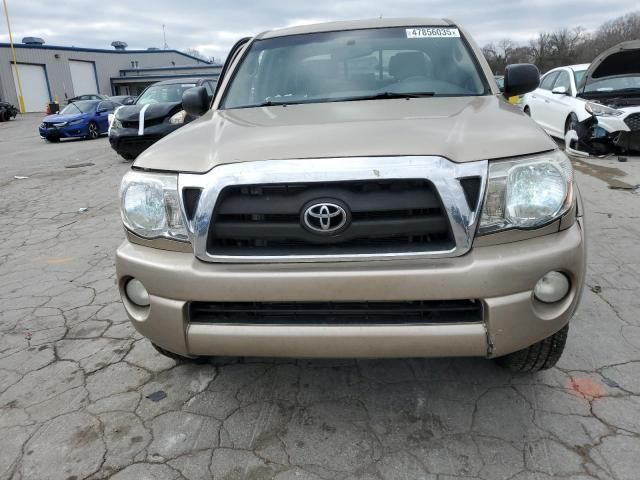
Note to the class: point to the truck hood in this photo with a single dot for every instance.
(131, 113)
(620, 60)
(461, 129)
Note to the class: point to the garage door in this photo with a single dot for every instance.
(34, 86)
(83, 75)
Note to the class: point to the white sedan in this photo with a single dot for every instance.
(594, 107)
(554, 104)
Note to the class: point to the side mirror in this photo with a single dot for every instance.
(195, 101)
(560, 91)
(520, 78)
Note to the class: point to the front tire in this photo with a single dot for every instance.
(539, 356)
(570, 124)
(93, 131)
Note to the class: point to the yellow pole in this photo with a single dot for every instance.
(15, 61)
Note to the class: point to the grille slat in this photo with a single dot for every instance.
(336, 313)
(386, 217)
(148, 122)
(244, 202)
(361, 229)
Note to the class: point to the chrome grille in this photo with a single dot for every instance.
(385, 217)
(439, 216)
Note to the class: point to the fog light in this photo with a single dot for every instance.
(137, 293)
(552, 287)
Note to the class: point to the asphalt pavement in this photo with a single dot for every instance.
(83, 396)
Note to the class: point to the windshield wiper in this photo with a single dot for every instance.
(374, 96)
(383, 95)
(271, 103)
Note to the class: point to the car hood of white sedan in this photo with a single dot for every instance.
(619, 61)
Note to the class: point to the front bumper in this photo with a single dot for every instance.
(127, 141)
(70, 131)
(600, 135)
(501, 276)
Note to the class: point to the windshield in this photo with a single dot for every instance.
(164, 93)
(79, 107)
(611, 84)
(357, 64)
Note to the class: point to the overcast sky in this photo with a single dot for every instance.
(213, 26)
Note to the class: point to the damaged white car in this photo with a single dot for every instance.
(594, 108)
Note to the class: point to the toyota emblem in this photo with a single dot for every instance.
(325, 217)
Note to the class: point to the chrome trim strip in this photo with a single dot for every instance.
(441, 172)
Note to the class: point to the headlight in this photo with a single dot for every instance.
(178, 118)
(527, 192)
(150, 205)
(76, 122)
(600, 110)
(115, 123)
(61, 124)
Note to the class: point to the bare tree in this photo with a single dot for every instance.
(563, 46)
(503, 53)
(565, 43)
(541, 51)
(618, 30)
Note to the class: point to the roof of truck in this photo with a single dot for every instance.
(358, 25)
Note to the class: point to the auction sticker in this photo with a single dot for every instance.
(432, 32)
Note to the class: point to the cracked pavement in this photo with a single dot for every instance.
(83, 396)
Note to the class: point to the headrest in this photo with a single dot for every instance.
(408, 64)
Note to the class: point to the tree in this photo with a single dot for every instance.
(618, 30)
(563, 46)
(503, 53)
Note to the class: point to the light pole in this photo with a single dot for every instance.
(15, 61)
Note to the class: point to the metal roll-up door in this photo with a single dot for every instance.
(35, 88)
(83, 76)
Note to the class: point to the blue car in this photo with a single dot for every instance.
(86, 119)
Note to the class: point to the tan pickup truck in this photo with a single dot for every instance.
(355, 189)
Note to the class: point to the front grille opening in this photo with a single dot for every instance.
(148, 122)
(390, 216)
(633, 121)
(190, 198)
(419, 312)
(471, 187)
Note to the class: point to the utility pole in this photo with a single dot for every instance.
(15, 61)
(164, 36)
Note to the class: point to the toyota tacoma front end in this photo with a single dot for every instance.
(356, 189)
